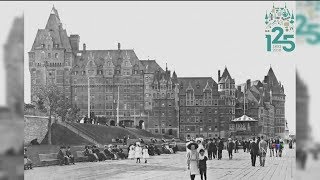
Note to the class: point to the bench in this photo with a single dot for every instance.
(48, 159)
(81, 157)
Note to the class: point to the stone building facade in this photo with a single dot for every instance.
(139, 93)
(116, 77)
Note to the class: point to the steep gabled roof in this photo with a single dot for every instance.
(151, 66)
(53, 31)
(100, 56)
(198, 84)
(225, 76)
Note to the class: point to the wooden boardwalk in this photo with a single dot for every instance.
(173, 166)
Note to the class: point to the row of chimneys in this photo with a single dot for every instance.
(75, 39)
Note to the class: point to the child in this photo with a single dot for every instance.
(131, 152)
(203, 164)
(138, 152)
(145, 153)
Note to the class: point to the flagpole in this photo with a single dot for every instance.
(118, 106)
(88, 97)
(244, 101)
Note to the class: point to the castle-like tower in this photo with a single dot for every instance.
(51, 56)
(278, 99)
(226, 88)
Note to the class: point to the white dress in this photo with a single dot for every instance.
(145, 154)
(193, 158)
(131, 152)
(138, 152)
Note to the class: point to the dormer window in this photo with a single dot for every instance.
(56, 45)
(56, 55)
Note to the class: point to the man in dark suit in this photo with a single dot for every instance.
(220, 148)
(254, 149)
(210, 149)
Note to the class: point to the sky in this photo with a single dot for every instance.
(195, 39)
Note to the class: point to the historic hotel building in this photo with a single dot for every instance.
(145, 94)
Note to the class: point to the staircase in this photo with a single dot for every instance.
(81, 132)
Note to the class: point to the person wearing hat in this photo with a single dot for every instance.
(138, 152)
(193, 159)
(131, 153)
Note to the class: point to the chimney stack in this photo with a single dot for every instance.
(84, 47)
(239, 88)
(248, 84)
(219, 76)
(119, 46)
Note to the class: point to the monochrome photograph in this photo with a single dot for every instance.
(158, 90)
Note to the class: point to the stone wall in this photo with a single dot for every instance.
(35, 127)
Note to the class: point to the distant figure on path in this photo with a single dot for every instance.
(220, 148)
(230, 147)
(263, 148)
(138, 152)
(254, 148)
(145, 153)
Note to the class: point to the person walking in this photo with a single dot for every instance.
(271, 147)
(254, 151)
(277, 146)
(230, 147)
(244, 145)
(210, 149)
(145, 153)
(215, 149)
(138, 152)
(248, 145)
(220, 148)
(203, 165)
(193, 160)
(236, 150)
(263, 147)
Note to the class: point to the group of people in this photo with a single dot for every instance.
(109, 152)
(65, 156)
(196, 159)
(137, 152)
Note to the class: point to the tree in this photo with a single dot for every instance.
(48, 98)
(73, 114)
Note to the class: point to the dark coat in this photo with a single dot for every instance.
(230, 146)
(220, 145)
(254, 148)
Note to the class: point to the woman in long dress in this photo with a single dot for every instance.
(138, 152)
(145, 153)
(131, 152)
(193, 160)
